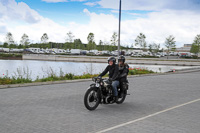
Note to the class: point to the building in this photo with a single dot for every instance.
(185, 48)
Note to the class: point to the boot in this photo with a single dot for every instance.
(115, 99)
(120, 94)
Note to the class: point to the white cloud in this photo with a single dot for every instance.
(55, 32)
(10, 10)
(184, 25)
(90, 4)
(19, 18)
(115, 11)
(79, 0)
(54, 1)
(157, 26)
(155, 5)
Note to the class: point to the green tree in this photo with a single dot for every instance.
(101, 45)
(170, 43)
(195, 46)
(114, 39)
(44, 38)
(157, 47)
(12, 46)
(24, 40)
(20, 46)
(140, 40)
(78, 44)
(9, 38)
(91, 43)
(154, 48)
(194, 49)
(70, 37)
(5, 45)
(150, 47)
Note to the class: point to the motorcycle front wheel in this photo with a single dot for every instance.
(91, 99)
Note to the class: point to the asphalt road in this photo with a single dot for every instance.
(157, 104)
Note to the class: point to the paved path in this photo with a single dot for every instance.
(157, 104)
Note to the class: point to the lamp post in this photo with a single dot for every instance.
(119, 27)
(198, 52)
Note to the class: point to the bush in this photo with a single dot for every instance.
(19, 79)
(10, 55)
(13, 80)
(69, 76)
(148, 56)
(134, 71)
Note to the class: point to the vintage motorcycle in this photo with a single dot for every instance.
(100, 92)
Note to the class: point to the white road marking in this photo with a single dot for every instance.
(143, 118)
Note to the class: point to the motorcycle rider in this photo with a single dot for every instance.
(113, 70)
(123, 71)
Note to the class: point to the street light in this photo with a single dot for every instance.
(198, 52)
(119, 27)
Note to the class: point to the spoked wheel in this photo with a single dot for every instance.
(122, 98)
(91, 99)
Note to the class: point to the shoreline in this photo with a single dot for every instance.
(100, 59)
(10, 58)
(89, 79)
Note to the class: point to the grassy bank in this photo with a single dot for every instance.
(21, 79)
(8, 56)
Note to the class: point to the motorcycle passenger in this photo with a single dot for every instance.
(113, 70)
(123, 71)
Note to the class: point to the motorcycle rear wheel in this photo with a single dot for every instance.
(91, 99)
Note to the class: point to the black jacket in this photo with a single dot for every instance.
(113, 72)
(123, 73)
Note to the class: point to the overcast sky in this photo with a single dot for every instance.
(157, 19)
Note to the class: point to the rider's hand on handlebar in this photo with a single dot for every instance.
(110, 80)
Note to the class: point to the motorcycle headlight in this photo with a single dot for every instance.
(97, 85)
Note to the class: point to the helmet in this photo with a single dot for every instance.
(112, 59)
(121, 58)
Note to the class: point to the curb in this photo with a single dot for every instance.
(42, 83)
(83, 80)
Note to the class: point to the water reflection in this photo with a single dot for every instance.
(41, 69)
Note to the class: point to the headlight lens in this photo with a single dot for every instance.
(97, 84)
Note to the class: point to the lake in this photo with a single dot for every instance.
(44, 68)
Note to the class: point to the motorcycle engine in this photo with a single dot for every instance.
(109, 99)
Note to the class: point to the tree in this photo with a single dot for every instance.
(194, 49)
(114, 39)
(5, 45)
(44, 38)
(78, 44)
(154, 48)
(150, 47)
(101, 45)
(195, 46)
(70, 37)
(140, 40)
(24, 40)
(9, 38)
(91, 43)
(170, 43)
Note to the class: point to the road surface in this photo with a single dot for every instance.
(157, 104)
